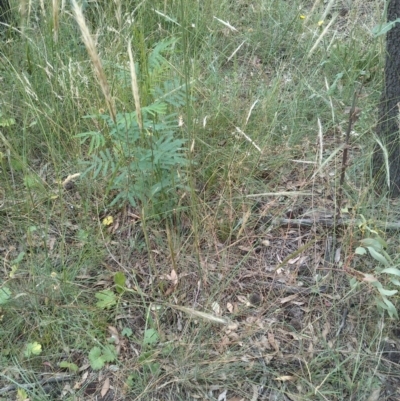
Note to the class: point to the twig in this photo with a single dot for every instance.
(53, 379)
(345, 153)
(332, 222)
(343, 322)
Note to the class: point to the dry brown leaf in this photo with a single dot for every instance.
(293, 261)
(243, 300)
(285, 378)
(114, 334)
(105, 387)
(229, 306)
(216, 308)
(326, 330)
(310, 350)
(375, 395)
(245, 218)
(51, 242)
(273, 342)
(173, 277)
(288, 299)
(69, 179)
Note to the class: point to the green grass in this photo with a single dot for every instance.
(262, 88)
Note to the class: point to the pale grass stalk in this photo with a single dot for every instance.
(56, 13)
(235, 51)
(323, 33)
(330, 99)
(327, 9)
(316, 3)
(118, 13)
(195, 313)
(248, 139)
(167, 18)
(321, 143)
(23, 10)
(227, 24)
(250, 111)
(282, 193)
(135, 88)
(327, 160)
(92, 51)
(42, 7)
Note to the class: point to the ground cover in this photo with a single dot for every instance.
(169, 203)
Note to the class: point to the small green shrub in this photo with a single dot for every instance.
(142, 163)
(383, 277)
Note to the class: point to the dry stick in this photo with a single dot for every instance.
(345, 154)
(54, 379)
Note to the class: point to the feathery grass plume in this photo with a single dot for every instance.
(118, 13)
(91, 49)
(23, 9)
(56, 13)
(135, 88)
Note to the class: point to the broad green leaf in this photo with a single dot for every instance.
(126, 332)
(106, 299)
(381, 29)
(377, 256)
(150, 337)
(395, 281)
(154, 367)
(32, 349)
(109, 354)
(392, 270)
(5, 295)
(360, 251)
(386, 292)
(390, 308)
(68, 365)
(380, 303)
(120, 280)
(95, 358)
(373, 243)
(18, 259)
(353, 283)
(21, 395)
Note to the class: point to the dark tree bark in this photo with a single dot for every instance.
(388, 128)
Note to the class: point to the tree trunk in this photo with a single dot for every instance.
(388, 128)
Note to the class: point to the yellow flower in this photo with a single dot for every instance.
(320, 22)
(302, 16)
